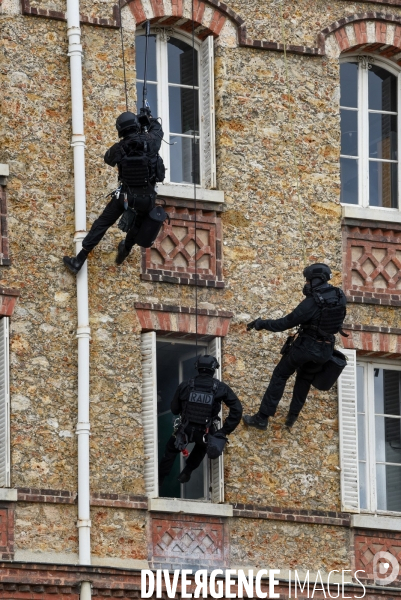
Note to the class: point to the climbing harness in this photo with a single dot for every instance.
(291, 120)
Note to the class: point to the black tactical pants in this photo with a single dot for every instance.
(194, 459)
(109, 216)
(307, 355)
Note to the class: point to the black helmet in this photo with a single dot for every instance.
(207, 362)
(127, 120)
(317, 271)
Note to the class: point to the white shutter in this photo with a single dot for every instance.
(208, 113)
(149, 412)
(4, 405)
(348, 429)
(216, 465)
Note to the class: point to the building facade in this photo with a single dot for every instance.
(286, 115)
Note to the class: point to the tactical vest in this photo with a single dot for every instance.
(137, 169)
(198, 409)
(332, 312)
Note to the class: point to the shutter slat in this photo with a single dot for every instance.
(149, 412)
(217, 465)
(208, 113)
(4, 405)
(348, 425)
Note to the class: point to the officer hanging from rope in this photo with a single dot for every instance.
(198, 402)
(310, 352)
(139, 169)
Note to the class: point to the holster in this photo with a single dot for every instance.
(127, 219)
(288, 343)
(181, 439)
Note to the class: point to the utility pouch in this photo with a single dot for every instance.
(181, 439)
(160, 169)
(216, 444)
(330, 372)
(151, 226)
(287, 346)
(127, 219)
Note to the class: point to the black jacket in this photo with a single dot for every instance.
(223, 394)
(132, 141)
(306, 313)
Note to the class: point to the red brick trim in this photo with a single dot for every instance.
(385, 42)
(46, 13)
(368, 340)
(252, 511)
(367, 542)
(6, 530)
(182, 319)
(47, 496)
(8, 300)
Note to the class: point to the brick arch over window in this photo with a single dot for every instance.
(209, 16)
(369, 32)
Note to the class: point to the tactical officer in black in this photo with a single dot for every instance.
(198, 402)
(139, 168)
(319, 316)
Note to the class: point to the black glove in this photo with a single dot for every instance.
(127, 219)
(256, 324)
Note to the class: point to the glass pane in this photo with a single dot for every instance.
(388, 487)
(382, 89)
(182, 63)
(363, 501)
(360, 388)
(183, 105)
(388, 440)
(383, 187)
(382, 136)
(349, 132)
(140, 41)
(181, 159)
(349, 180)
(361, 437)
(152, 97)
(387, 391)
(349, 84)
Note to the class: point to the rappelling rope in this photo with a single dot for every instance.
(194, 172)
(122, 49)
(291, 120)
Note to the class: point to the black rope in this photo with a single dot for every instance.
(122, 48)
(194, 173)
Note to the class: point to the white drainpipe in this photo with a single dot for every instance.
(83, 330)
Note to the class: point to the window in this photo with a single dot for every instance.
(4, 404)
(165, 363)
(371, 435)
(369, 105)
(181, 92)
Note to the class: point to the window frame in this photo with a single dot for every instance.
(205, 78)
(5, 465)
(370, 434)
(363, 128)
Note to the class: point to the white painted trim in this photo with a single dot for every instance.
(177, 190)
(388, 215)
(8, 495)
(4, 170)
(376, 522)
(71, 558)
(189, 507)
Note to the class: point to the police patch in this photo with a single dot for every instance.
(201, 397)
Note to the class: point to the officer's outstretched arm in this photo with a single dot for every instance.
(235, 411)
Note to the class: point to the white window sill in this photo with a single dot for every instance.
(176, 190)
(376, 522)
(372, 213)
(189, 507)
(4, 170)
(8, 495)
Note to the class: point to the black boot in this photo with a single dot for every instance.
(185, 475)
(122, 253)
(75, 263)
(291, 418)
(259, 421)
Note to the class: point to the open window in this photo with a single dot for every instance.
(370, 434)
(166, 362)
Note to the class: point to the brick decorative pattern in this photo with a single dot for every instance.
(378, 342)
(367, 543)
(251, 511)
(372, 262)
(369, 32)
(46, 13)
(96, 499)
(6, 531)
(176, 253)
(4, 250)
(182, 319)
(8, 300)
(188, 541)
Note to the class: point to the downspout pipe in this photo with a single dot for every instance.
(83, 330)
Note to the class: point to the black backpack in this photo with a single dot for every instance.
(333, 312)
